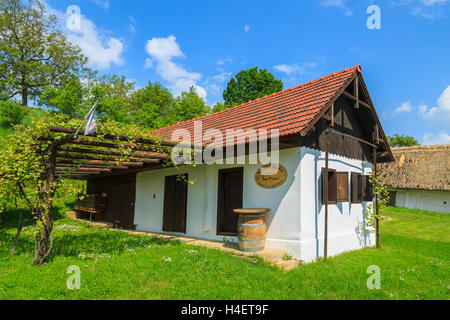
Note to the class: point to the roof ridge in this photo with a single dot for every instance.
(357, 67)
(411, 148)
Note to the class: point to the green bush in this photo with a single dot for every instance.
(11, 113)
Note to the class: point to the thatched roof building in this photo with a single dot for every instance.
(420, 168)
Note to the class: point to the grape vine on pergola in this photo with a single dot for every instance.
(84, 157)
(37, 158)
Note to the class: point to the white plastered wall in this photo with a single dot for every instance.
(438, 201)
(283, 221)
(344, 218)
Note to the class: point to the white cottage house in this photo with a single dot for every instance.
(419, 178)
(153, 199)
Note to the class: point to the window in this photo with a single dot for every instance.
(356, 185)
(361, 188)
(342, 186)
(332, 186)
(367, 188)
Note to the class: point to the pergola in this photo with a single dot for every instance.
(84, 157)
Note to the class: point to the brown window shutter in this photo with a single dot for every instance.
(332, 186)
(342, 189)
(356, 187)
(367, 189)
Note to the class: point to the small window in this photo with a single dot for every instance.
(356, 185)
(342, 186)
(367, 188)
(332, 186)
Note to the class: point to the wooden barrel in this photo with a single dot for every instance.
(252, 229)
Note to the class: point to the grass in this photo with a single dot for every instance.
(414, 264)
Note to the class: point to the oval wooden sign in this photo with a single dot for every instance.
(271, 176)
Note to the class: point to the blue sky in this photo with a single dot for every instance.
(406, 63)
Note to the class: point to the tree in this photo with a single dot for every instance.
(70, 99)
(77, 97)
(402, 141)
(219, 106)
(114, 93)
(34, 54)
(249, 85)
(189, 106)
(153, 106)
(11, 113)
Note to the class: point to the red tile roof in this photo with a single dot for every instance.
(290, 111)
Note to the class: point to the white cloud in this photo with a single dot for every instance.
(224, 61)
(405, 107)
(289, 69)
(441, 112)
(295, 68)
(246, 28)
(433, 2)
(224, 76)
(441, 138)
(132, 24)
(162, 51)
(338, 4)
(216, 90)
(357, 50)
(101, 50)
(429, 9)
(102, 3)
(333, 3)
(148, 63)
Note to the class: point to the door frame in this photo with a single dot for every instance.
(220, 199)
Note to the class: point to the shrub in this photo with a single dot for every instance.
(11, 113)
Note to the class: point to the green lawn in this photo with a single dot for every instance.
(414, 263)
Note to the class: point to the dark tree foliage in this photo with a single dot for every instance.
(402, 141)
(11, 113)
(249, 85)
(34, 53)
(152, 106)
(189, 106)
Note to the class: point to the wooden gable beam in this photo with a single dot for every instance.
(329, 115)
(376, 135)
(357, 101)
(326, 108)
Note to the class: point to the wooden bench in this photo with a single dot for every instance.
(91, 207)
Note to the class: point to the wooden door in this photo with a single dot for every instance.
(126, 192)
(175, 204)
(128, 195)
(230, 194)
